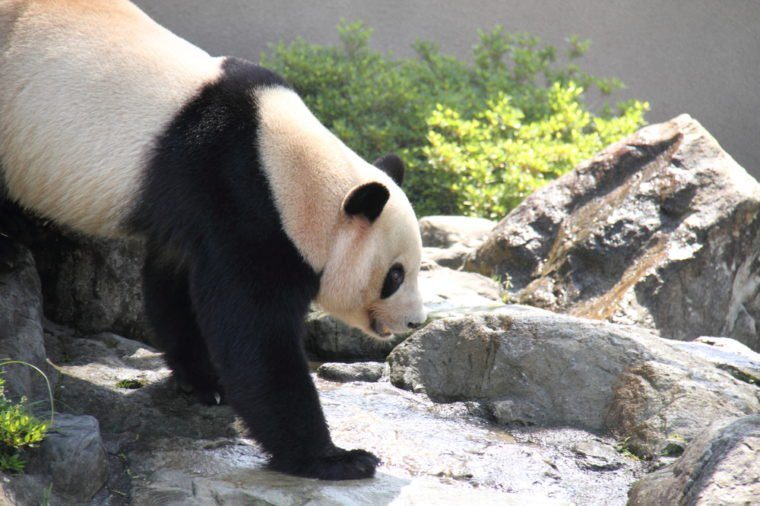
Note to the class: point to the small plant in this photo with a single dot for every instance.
(130, 384)
(623, 448)
(505, 285)
(675, 446)
(20, 429)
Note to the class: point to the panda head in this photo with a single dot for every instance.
(370, 278)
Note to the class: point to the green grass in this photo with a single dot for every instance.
(130, 384)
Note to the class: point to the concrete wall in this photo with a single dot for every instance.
(695, 56)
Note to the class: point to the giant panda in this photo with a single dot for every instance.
(250, 209)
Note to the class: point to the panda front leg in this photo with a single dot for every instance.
(169, 311)
(251, 315)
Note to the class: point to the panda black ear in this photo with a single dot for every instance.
(366, 200)
(393, 166)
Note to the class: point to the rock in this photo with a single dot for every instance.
(719, 467)
(444, 292)
(452, 257)
(448, 240)
(328, 338)
(727, 354)
(447, 292)
(92, 285)
(447, 231)
(76, 458)
(21, 334)
(70, 467)
(660, 230)
(358, 371)
(530, 366)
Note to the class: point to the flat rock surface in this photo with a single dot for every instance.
(660, 230)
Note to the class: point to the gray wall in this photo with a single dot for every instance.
(695, 56)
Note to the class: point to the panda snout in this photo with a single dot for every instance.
(414, 325)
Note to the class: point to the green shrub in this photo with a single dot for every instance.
(490, 163)
(477, 137)
(19, 427)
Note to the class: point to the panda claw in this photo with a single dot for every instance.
(217, 398)
(338, 464)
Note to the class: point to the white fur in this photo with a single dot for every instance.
(85, 87)
(311, 172)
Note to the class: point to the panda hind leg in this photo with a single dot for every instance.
(169, 311)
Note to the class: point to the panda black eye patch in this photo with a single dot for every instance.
(393, 280)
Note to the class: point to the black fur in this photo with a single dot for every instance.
(367, 200)
(392, 165)
(224, 281)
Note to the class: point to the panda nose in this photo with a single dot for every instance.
(414, 325)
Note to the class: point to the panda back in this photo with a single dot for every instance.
(85, 89)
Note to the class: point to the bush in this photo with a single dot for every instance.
(477, 137)
(20, 429)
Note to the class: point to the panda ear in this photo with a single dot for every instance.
(391, 165)
(367, 200)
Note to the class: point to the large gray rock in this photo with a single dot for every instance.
(75, 457)
(21, 334)
(92, 285)
(530, 366)
(661, 230)
(70, 468)
(719, 467)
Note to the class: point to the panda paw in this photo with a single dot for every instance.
(205, 396)
(338, 464)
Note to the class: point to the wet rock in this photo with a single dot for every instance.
(358, 371)
(447, 231)
(719, 467)
(530, 366)
(21, 335)
(660, 230)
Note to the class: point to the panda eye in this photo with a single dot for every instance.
(393, 280)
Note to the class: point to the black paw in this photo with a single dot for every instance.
(212, 396)
(339, 464)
